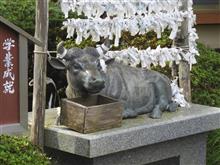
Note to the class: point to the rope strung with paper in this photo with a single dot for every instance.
(119, 8)
(111, 28)
(159, 56)
(137, 17)
(192, 52)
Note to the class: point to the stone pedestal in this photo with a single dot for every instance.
(184, 151)
(177, 139)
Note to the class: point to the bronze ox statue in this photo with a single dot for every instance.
(141, 91)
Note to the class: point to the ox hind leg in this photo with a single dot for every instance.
(163, 105)
(158, 109)
(163, 99)
(172, 107)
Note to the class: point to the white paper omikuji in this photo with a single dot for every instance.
(103, 65)
(119, 8)
(137, 17)
(133, 57)
(114, 27)
(177, 95)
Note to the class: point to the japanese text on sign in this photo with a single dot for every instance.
(8, 75)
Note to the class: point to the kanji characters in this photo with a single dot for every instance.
(8, 60)
(9, 87)
(8, 44)
(8, 75)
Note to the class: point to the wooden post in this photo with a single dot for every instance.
(184, 67)
(174, 70)
(185, 80)
(40, 62)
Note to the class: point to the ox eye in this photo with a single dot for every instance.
(77, 66)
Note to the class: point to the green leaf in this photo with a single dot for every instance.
(19, 151)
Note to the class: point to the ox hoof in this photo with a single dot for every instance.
(128, 113)
(156, 113)
(172, 107)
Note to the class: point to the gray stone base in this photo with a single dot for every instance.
(177, 139)
(183, 151)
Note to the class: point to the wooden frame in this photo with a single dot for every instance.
(20, 31)
(23, 37)
(21, 127)
(183, 70)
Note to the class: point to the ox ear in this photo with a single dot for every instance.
(57, 63)
(104, 48)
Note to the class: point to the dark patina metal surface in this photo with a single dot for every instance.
(141, 91)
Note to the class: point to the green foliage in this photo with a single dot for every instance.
(56, 18)
(205, 78)
(19, 151)
(20, 12)
(213, 148)
(85, 43)
(206, 90)
(139, 41)
(144, 41)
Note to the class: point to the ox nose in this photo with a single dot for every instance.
(97, 81)
(93, 79)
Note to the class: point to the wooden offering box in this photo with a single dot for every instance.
(91, 114)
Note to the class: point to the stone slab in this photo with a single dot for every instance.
(190, 150)
(134, 133)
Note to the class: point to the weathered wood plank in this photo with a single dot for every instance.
(40, 63)
(72, 115)
(103, 117)
(92, 114)
(9, 94)
(184, 67)
(23, 80)
(185, 80)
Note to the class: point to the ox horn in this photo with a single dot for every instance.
(104, 48)
(61, 50)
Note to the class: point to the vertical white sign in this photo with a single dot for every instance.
(8, 75)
